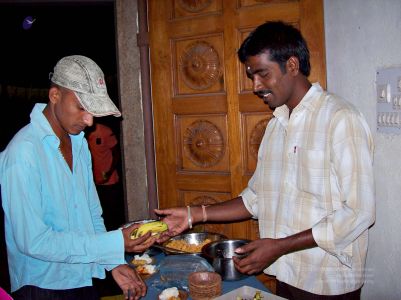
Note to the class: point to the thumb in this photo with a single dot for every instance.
(239, 250)
(243, 249)
(162, 212)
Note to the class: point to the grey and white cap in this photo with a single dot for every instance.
(85, 78)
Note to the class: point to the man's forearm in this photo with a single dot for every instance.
(297, 242)
(227, 211)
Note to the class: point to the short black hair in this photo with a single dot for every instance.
(281, 40)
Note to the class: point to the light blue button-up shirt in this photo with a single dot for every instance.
(55, 234)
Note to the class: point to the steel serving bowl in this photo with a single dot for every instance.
(220, 254)
(195, 238)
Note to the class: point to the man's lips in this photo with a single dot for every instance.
(264, 95)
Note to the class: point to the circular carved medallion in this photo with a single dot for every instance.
(256, 137)
(203, 143)
(200, 66)
(194, 5)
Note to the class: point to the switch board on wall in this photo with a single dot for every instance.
(388, 100)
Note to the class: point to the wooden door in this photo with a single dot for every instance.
(208, 124)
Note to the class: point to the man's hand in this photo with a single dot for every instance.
(176, 220)
(139, 244)
(129, 281)
(261, 254)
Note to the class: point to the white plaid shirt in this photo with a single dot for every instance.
(315, 171)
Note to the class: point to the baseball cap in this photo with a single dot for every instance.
(84, 77)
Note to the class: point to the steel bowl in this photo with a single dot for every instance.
(220, 255)
(195, 238)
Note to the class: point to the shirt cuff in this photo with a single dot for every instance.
(110, 248)
(324, 239)
(250, 203)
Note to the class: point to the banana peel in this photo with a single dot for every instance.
(156, 227)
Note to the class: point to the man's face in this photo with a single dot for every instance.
(269, 82)
(70, 114)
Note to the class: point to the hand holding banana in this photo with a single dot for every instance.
(139, 237)
(155, 227)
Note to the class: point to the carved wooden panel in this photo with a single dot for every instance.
(202, 143)
(254, 125)
(247, 3)
(245, 82)
(207, 198)
(192, 8)
(198, 65)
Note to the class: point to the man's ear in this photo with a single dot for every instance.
(292, 65)
(54, 94)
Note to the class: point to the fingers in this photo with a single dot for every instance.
(136, 292)
(134, 287)
(129, 229)
(164, 236)
(139, 244)
(245, 266)
(162, 212)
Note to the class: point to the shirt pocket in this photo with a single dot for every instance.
(311, 171)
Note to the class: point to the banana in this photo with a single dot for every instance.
(156, 227)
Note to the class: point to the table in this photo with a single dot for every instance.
(156, 285)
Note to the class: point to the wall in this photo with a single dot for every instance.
(363, 36)
(131, 107)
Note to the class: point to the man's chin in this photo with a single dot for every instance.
(74, 132)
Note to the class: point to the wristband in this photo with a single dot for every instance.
(204, 214)
(189, 217)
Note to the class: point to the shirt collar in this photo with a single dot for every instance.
(45, 131)
(308, 101)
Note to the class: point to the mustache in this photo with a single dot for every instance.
(262, 93)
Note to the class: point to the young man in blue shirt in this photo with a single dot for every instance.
(55, 234)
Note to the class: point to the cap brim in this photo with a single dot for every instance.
(98, 106)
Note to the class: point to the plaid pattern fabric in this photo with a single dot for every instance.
(315, 171)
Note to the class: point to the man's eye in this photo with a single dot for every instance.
(264, 74)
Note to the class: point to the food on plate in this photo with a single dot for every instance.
(258, 296)
(184, 246)
(140, 260)
(170, 294)
(146, 269)
(156, 227)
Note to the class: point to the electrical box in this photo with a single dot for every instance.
(388, 100)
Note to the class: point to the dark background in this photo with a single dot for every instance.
(28, 56)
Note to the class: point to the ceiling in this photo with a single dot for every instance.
(57, 29)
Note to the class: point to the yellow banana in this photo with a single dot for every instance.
(156, 227)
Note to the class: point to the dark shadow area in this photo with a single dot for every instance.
(35, 35)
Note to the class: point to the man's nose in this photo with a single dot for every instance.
(88, 119)
(256, 84)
